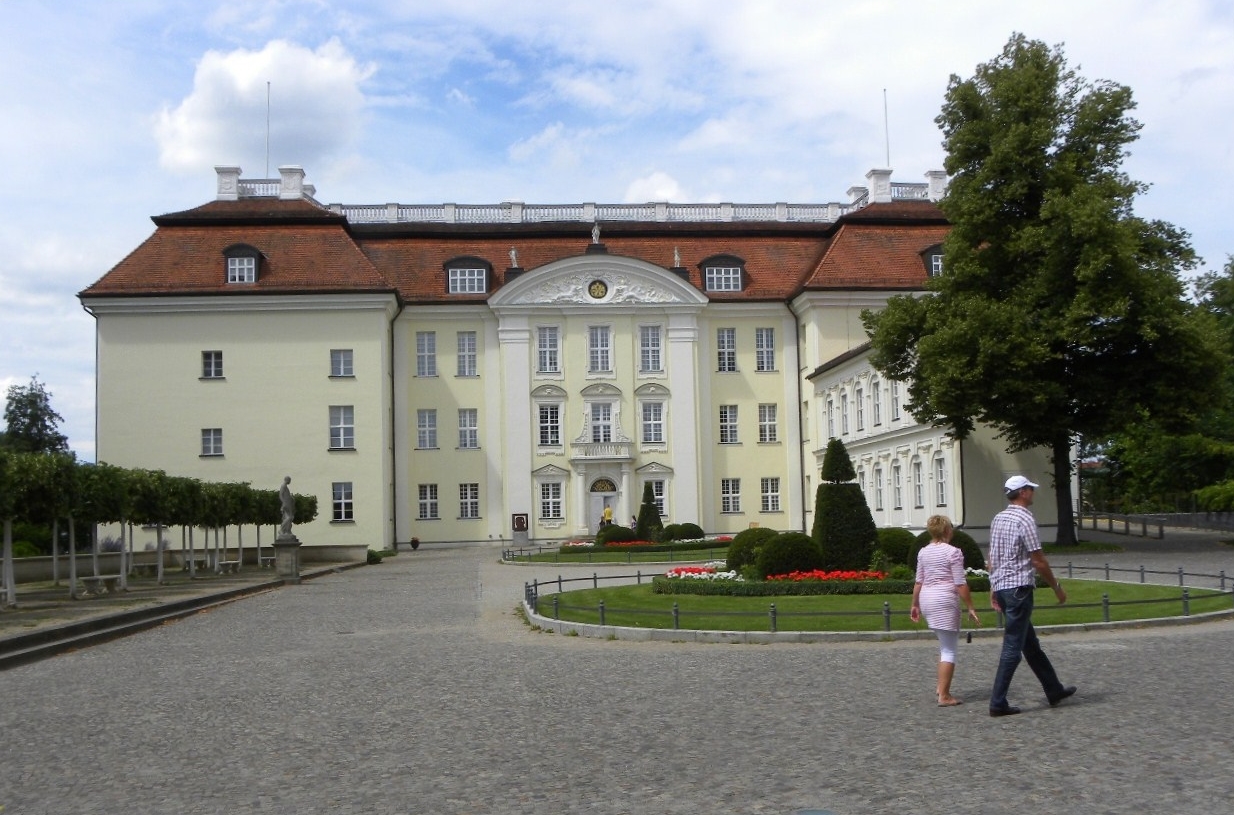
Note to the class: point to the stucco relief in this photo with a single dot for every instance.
(572, 289)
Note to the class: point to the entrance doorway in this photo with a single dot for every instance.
(603, 494)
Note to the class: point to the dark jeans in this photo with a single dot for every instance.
(1019, 638)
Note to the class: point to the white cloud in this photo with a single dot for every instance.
(315, 110)
(657, 186)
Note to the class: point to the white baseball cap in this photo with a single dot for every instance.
(1017, 482)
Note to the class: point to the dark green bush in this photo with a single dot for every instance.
(648, 525)
(973, 559)
(844, 530)
(788, 552)
(690, 531)
(616, 532)
(896, 542)
(743, 550)
(672, 532)
(373, 557)
(25, 549)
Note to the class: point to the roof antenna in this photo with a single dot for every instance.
(268, 128)
(886, 130)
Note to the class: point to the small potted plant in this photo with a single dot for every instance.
(415, 543)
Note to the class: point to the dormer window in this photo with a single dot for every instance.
(933, 261)
(723, 273)
(242, 263)
(468, 275)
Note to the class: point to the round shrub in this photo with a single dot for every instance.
(789, 552)
(743, 551)
(614, 533)
(896, 543)
(973, 559)
(690, 531)
(672, 532)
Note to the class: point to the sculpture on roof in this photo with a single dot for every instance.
(513, 258)
(595, 232)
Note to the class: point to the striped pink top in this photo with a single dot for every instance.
(940, 568)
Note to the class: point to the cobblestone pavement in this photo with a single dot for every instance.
(414, 687)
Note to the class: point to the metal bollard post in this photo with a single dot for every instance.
(595, 580)
(1141, 572)
(1223, 579)
(559, 582)
(1107, 571)
(601, 612)
(676, 616)
(887, 616)
(1105, 608)
(773, 618)
(1069, 574)
(556, 610)
(1180, 576)
(638, 577)
(1186, 603)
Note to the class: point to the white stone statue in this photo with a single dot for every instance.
(595, 232)
(288, 504)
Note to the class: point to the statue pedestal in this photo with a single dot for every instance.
(287, 558)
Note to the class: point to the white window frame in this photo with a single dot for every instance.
(548, 349)
(342, 427)
(468, 429)
(211, 442)
(895, 400)
(650, 349)
(241, 269)
(657, 495)
(768, 423)
(726, 350)
(652, 422)
(469, 501)
(467, 354)
(918, 484)
(549, 425)
(878, 488)
(426, 429)
(342, 363)
(897, 486)
(859, 399)
(844, 413)
(722, 278)
(730, 495)
(729, 429)
(599, 349)
(831, 418)
(212, 365)
(427, 495)
(769, 488)
(342, 502)
(551, 503)
(600, 418)
(876, 401)
(940, 480)
(465, 280)
(764, 349)
(426, 353)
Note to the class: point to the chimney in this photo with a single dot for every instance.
(291, 187)
(229, 183)
(880, 186)
(937, 182)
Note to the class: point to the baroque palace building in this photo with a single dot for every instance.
(505, 372)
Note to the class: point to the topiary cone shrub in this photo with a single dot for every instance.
(844, 529)
(788, 552)
(649, 526)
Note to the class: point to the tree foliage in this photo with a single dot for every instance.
(31, 424)
(844, 529)
(1060, 313)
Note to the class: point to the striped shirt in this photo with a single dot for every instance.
(1013, 535)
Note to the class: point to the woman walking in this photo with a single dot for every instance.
(938, 591)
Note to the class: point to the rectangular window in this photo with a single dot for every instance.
(940, 481)
(726, 350)
(242, 270)
(467, 281)
(657, 496)
(599, 358)
(211, 364)
(341, 362)
(212, 441)
(342, 508)
(895, 400)
(653, 423)
(878, 488)
(770, 494)
(550, 425)
(467, 353)
(548, 359)
(723, 278)
(768, 424)
(426, 429)
(876, 401)
(764, 349)
(918, 486)
(860, 398)
(936, 265)
(469, 500)
(831, 418)
(550, 501)
(897, 488)
(730, 495)
(468, 428)
(844, 414)
(650, 344)
(342, 427)
(728, 424)
(601, 422)
(428, 502)
(426, 353)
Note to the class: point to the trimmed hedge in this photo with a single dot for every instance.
(788, 552)
(743, 551)
(896, 543)
(973, 559)
(615, 532)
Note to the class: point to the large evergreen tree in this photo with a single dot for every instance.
(32, 425)
(843, 527)
(1059, 314)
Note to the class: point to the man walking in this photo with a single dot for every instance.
(1015, 553)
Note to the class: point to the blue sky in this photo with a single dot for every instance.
(114, 112)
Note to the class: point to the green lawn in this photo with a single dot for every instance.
(638, 607)
(629, 555)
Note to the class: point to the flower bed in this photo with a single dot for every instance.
(819, 574)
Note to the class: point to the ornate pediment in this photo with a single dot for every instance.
(597, 281)
(654, 468)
